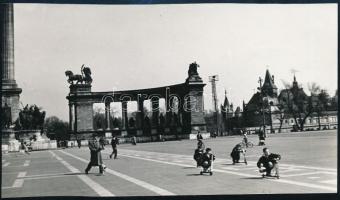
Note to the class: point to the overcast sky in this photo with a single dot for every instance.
(141, 46)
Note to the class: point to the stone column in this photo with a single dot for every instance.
(168, 114)
(107, 115)
(7, 42)
(70, 115)
(155, 112)
(9, 90)
(140, 116)
(125, 119)
(75, 128)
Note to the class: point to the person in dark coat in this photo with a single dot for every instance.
(261, 138)
(199, 152)
(102, 142)
(200, 145)
(96, 156)
(114, 143)
(199, 136)
(236, 153)
(207, 158)
(269, 161)
(134, 140)
(79, 143)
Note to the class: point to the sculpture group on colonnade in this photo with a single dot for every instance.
(84, 77)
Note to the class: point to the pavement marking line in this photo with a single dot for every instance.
(18, 183)
(27, 163)
(6, 164)
(47, 177)
(302, 174)
(244, 175)
(8, 173)
(138, 182)
(302, 166)
(289, 170)
(281, 164)
(100, 190)
(332, 173)
(313, 177)
(21, 174)
(43, 175)
(333, 181)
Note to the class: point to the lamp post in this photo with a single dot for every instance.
(262, 107)
(213, 80)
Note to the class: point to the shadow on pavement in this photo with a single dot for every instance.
(194, 174)
(254, 178)
(189, 167)
(72, 174)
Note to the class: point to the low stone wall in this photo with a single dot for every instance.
(144, 139)
(194, 136)
(4, 148)
(44, 145)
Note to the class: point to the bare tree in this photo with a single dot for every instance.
(296, 103)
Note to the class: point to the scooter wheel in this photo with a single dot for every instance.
(211, 173)
(201, 173)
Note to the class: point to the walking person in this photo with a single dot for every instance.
(262, 138)
(25, 148)
(199, 136)
(96, 156)
(79, 143)
(134, 140)
(114, 143)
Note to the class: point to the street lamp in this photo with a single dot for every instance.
(262, 106)
(213, 80)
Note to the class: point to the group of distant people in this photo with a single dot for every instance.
(266, 163)
(202, 155)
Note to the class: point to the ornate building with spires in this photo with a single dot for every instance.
(327, 119)
(227, 112)
(232, 120)
(264, 109)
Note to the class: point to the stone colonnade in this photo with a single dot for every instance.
(186, 118)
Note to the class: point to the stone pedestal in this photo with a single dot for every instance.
(193, 105)
(81, 112)
(9, 143)
(43, 143)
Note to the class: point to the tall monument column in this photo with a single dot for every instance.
(9, 89)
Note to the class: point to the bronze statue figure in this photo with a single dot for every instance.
(85, 76)
(86, 71)
(73, 77)
(193, 69)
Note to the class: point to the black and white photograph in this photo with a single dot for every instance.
(148, 100)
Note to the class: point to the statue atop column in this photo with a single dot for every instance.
(193, 74)
(83, 78)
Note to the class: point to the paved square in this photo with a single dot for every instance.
(308, 165)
